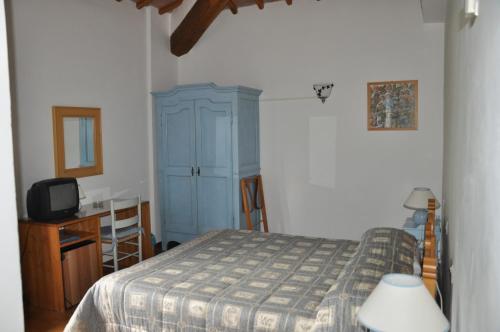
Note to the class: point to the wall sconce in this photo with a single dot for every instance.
(323, 90)
(472, 8)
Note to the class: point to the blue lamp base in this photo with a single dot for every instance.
(420, 217)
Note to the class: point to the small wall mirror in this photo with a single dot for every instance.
(77, 141)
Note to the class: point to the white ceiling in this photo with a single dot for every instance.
(433, 11)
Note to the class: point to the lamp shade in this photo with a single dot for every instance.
(323, 90)
(400, 302)
(418, 199)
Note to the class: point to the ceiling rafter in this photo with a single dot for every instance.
(142, 3)
(198, 19)
(163, 6)
(196, 22)
(168, 8)
(233, 7)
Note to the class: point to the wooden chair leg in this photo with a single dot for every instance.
(262, 203)
(139, 245)
(115, 256)
(246, 208)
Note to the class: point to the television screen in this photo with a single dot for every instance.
(53, 199)
(63, 196)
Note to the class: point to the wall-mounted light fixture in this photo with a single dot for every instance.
(323, 90)
(472, 8)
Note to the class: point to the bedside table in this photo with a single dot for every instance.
(418, 232)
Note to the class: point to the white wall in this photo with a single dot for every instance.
(11, 307)
(324, 173)
(472, 164)
(88, 53)
(162, 76)
(82, 53)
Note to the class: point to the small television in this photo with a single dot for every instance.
(53, 199)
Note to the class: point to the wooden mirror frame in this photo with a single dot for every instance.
(58, 115)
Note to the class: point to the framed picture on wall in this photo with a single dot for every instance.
(393, 105)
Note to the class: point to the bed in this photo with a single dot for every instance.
(235, 280)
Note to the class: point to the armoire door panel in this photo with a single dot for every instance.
(213, 129)
(180, 125)
(214, 202)
(178, 151)
(180, 203)
(214, 159)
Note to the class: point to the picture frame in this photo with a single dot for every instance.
(392, 105)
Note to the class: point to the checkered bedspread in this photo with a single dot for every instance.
(244, 281)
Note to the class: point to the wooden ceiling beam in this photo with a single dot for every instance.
(232, 7)
(170, 7)
(142, 3)
(198, 19)
(196, 22)
(245, 3)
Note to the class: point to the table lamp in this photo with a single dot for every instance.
(418, 201)
(400, 302)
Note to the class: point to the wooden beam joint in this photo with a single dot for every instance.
(170, 7)
(233, 7)
(142, 3)
(196, 22)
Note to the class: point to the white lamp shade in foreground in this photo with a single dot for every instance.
(399, 303)
(419, 198)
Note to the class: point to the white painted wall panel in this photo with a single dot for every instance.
(162, 76)
(472, 164)
(433, 11)
(11, 305)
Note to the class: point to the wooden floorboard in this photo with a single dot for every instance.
(40, 320)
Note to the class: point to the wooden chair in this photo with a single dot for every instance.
(115, 230)
(257, 201)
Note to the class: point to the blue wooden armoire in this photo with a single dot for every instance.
(207, 139)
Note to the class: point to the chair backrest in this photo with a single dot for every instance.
(116, 221)
(125, 203)
(252, 187)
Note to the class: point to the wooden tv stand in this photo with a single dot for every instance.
(40, 246)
